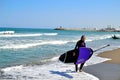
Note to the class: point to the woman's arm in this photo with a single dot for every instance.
(76, 45)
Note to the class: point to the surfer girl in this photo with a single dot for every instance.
(80, 43)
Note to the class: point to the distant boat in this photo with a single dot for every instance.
(115, 37)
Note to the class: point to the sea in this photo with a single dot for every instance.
(32, 54)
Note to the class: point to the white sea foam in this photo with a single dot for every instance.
(95, 60)
(20, 35)
(27, 45)
(17, 44)
(23, 44)
(98, 37)
(55, 58)
(13, 68)
(95, 37)
(53, 71)
(50, 34)
(28, 35)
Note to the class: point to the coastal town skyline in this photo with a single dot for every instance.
(52, 13)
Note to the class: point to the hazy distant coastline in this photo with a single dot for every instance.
(79, 29)
(108, 29)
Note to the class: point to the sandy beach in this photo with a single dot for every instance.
(108, 70)
(114, 55)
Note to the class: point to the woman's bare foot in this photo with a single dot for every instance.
(80, 70)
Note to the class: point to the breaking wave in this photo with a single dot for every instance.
(28, 35)
(28, 45)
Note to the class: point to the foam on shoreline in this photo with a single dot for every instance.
(56, 70)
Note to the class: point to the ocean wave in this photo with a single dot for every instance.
(20, 35)
(7, 32)
(94, 38)
(98, 37)
(18, 44)
(50, 34)
(28, 45)
(28, 35)
(47, 71)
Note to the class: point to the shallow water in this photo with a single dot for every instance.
(28, 46)
(32, 54)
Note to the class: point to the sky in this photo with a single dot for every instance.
(55, 13)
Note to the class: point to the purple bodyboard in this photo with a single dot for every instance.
(84, 54)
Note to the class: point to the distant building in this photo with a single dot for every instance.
(88, 29)
(80, 29)
(59, 28)
(109, 29)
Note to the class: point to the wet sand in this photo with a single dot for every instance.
(104, 71)
(108, 70)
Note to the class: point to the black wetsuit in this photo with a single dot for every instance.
(79, 44)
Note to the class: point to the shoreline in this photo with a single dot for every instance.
(54, 71)
(58, 70)
(108, 70)
(114, 55)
